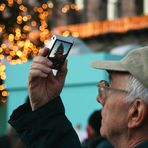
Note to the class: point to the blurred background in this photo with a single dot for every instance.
(101, 29)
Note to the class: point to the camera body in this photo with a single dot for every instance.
(59, 49)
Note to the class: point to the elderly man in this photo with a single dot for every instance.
(43, 124)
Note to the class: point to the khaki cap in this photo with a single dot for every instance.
(135, 62)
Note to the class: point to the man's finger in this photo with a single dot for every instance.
(37, 73)
(42, 60)
(41, 67)
(61, 74)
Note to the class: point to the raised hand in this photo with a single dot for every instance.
(43, 85)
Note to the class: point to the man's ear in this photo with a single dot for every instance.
(137, 113)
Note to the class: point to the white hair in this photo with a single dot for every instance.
(136, 90)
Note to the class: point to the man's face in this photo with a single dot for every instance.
(115, 109)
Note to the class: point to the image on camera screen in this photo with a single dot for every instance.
(59, 52)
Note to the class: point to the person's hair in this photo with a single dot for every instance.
(136, 90)
(95, 121)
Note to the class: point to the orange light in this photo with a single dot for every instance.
(2, 67)
(19, 53)
(19, 2)
(73, 6)
(75, 34)
(3, 46)
(1, 49)
(9, 58)
(2, 7)
(23, 8)
(40, 10)
(11, 37)
(1, 29)
(2, 56)
(19, 18)
(27, 28)
(64, 10)
(33, 23)
(50, 5)
(2, 87)
(5, 93)
(3, 76)
(12, 53)
(25, 18)
(66, 33)
(10, 3)
(44, 6)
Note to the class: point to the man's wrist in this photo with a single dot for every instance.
(37, 104)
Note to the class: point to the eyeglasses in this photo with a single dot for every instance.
(104, 89)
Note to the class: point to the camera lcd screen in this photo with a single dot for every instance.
(59, 53)
(60, 48)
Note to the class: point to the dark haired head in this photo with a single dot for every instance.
(95, 121)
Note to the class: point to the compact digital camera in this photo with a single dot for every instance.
(59, 49)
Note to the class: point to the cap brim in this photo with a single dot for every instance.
(109, 65)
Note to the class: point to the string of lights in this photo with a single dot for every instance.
(90, 29)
